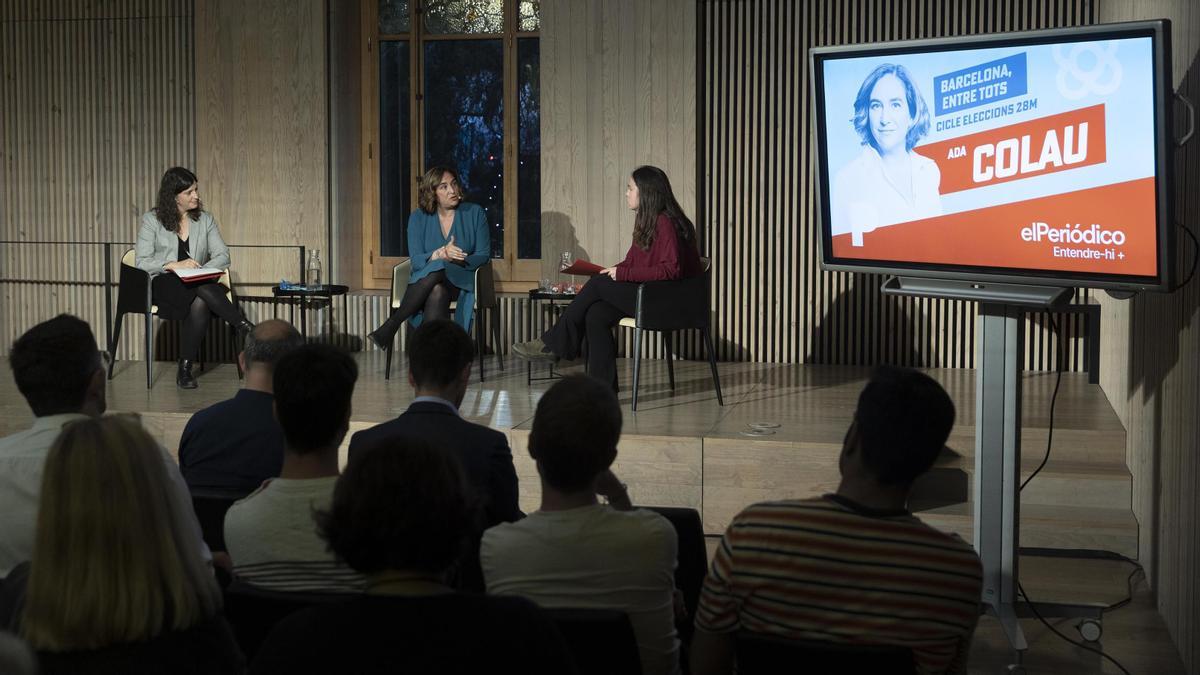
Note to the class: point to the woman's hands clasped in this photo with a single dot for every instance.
(451, 253)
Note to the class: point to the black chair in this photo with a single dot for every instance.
(12, 597)
(668, 306)
(210, 505)
(134, 295)
(693, 560)
(252, 612)
(601, 640)
(759, 654)
(486, 304)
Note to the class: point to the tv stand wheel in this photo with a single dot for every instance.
(1090, 629)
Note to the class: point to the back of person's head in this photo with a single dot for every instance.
(112, 561)
(54, 363)
(903, 420)
(313, 387)
(269, 341)
(402, 505)
(438, 353)
(575, 432)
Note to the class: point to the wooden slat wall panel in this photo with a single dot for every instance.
(95, 102)
(618, 90)
(1151, 371)
(756, 207)
(262, 126)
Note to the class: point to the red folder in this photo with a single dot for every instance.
(582, 268)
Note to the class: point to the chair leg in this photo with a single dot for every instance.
(712, 363)
(637, 364)
(112, 346)
(668, 337)
(480, 347)
(237, 348)
(494, 317)
(387, 369)
(149, 349)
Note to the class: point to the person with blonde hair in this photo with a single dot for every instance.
(116, 583)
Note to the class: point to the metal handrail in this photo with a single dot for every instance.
(108, 281)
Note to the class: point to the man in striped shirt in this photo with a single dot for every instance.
(856, 566)
(271, 534)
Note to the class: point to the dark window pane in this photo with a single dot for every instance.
(529, 15)
(393, 17)
(395, 168)
(529, 151)
(464, 121)
(463, 16)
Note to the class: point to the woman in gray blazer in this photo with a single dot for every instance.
(179, 234)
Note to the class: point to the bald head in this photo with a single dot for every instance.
(268, 342)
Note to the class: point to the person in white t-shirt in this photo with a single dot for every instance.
(61, 374)
(887, 182)
(271, 534)
(574, 552)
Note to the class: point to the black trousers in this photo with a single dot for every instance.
(210, 299)
(592, 314)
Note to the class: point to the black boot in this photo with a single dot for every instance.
(243, 329)
(385, 334)
(184, 379)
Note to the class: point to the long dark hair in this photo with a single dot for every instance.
(175, 180)
(654, 198)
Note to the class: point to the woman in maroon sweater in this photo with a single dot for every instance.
(664, 247)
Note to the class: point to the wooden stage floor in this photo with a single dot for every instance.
(683, 449)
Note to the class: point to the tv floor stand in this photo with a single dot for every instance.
(997, 480)
(998, 477)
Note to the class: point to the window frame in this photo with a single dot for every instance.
(513, 273)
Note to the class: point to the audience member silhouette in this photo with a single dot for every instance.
(116, 583)
(400, 515)
(440, 354)
(575, 552)
(61, 373)
(236, 444)
(271, 535)
(855, 566)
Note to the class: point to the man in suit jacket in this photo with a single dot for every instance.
(440, 357)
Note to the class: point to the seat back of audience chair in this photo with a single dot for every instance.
(693, 556)
(252, 612)
(759, 654)
(601, 640)
(210, 506)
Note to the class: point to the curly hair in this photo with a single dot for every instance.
(402, 504)
(427, 186)
(917, 109)
(175, 180)
(655, 198)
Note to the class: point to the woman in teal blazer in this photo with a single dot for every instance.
(448, 239)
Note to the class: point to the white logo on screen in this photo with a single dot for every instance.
(1088, 68)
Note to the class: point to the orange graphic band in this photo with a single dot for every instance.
(1106, 230)
(1045, 145)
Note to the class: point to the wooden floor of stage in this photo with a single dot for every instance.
(682, 448)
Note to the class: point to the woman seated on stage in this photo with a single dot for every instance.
(178, 234)
(401, 515)
(448, 239)
(117, 583)
(664, 247)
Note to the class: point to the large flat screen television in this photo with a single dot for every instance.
(1039, 158)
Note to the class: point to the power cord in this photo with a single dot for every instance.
(1195, 257)
(1059, 367)
(1082, 645)
(1058, 357)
